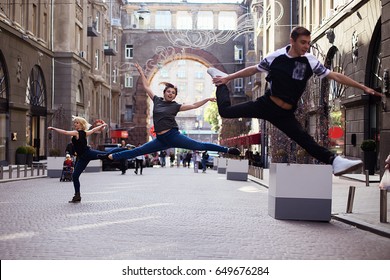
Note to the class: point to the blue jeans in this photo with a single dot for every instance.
(82, 162)
(264, 108)
(171, 139)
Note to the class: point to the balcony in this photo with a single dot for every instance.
(92, 30)
(109, 49)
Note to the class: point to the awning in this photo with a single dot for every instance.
(119, 133)
(245, 140)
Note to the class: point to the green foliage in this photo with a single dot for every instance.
(368, 145)
(211, 115)
(54, 152)
(30, 150)
(21, 150)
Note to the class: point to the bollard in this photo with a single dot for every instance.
(1, 172)
(367, 178)
(383, 206)
(261, 173)
(351, 197)
(43, 169)
(10, 172)
(38, 167)
(32, 170)
(25, 171)
(18, 171)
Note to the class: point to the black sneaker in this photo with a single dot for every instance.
(234, 151)
(103, 156)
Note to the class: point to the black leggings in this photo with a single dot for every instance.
(264, 108)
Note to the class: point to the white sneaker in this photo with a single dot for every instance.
(342, 165)
(214, 72)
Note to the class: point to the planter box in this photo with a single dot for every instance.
(300, 192)
(215, 163)
(237, 170)
(54, 166)
(222, 165)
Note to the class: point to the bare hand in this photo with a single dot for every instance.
(373, 92)
(220, 81)
(212, 99)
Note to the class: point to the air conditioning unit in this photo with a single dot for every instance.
(82, 54)
(116, 21)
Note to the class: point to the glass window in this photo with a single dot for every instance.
(97, 60)
(79, 95)
(128, 117)
(184, 20)
(227, 21)
(129, 51)
(238, 53)
(238, 84)
(205, 20)
(163, 20)
(128, 81)
(181, 74)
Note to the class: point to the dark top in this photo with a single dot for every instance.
(164, 114)
(288, 75)
(80, 145)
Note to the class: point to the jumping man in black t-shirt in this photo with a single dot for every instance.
(288, 70)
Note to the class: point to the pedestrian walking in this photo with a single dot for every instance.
(205, 157)
(165, 125)
(288, 69)
(84, 153)
(139, 162)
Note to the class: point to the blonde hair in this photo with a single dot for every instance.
(85, 125)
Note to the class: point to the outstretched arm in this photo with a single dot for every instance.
(95, 129)
(62, 131)
(196, 104)
(347, 81)
(246, 72)
(145, 82)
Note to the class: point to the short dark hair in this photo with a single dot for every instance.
(168, 85)
(299, 31)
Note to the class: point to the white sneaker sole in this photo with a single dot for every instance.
(350, 169)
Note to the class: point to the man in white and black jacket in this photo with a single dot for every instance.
(288, 70)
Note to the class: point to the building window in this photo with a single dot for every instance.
(163, 20)
(36, 88)
(238, 84)
(114, 76)
(181, 74)
(97, 60)
(184, 20)
(199, 87)
(164, 73)
(128, 117)
(114, 41)
(128, 81)
(97, 20)
(129, 51)
(238, 53)
(205, 20)
(227, 21)
(79, 95)
(199, 75)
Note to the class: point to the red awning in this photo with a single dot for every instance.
(245, 140)
(119, 134)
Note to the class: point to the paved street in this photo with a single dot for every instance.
(167, 213)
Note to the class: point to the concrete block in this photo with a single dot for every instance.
(215, 163)
(237, 170)
(222, 165)
(300, 192)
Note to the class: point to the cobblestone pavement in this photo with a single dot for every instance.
(167, 214)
